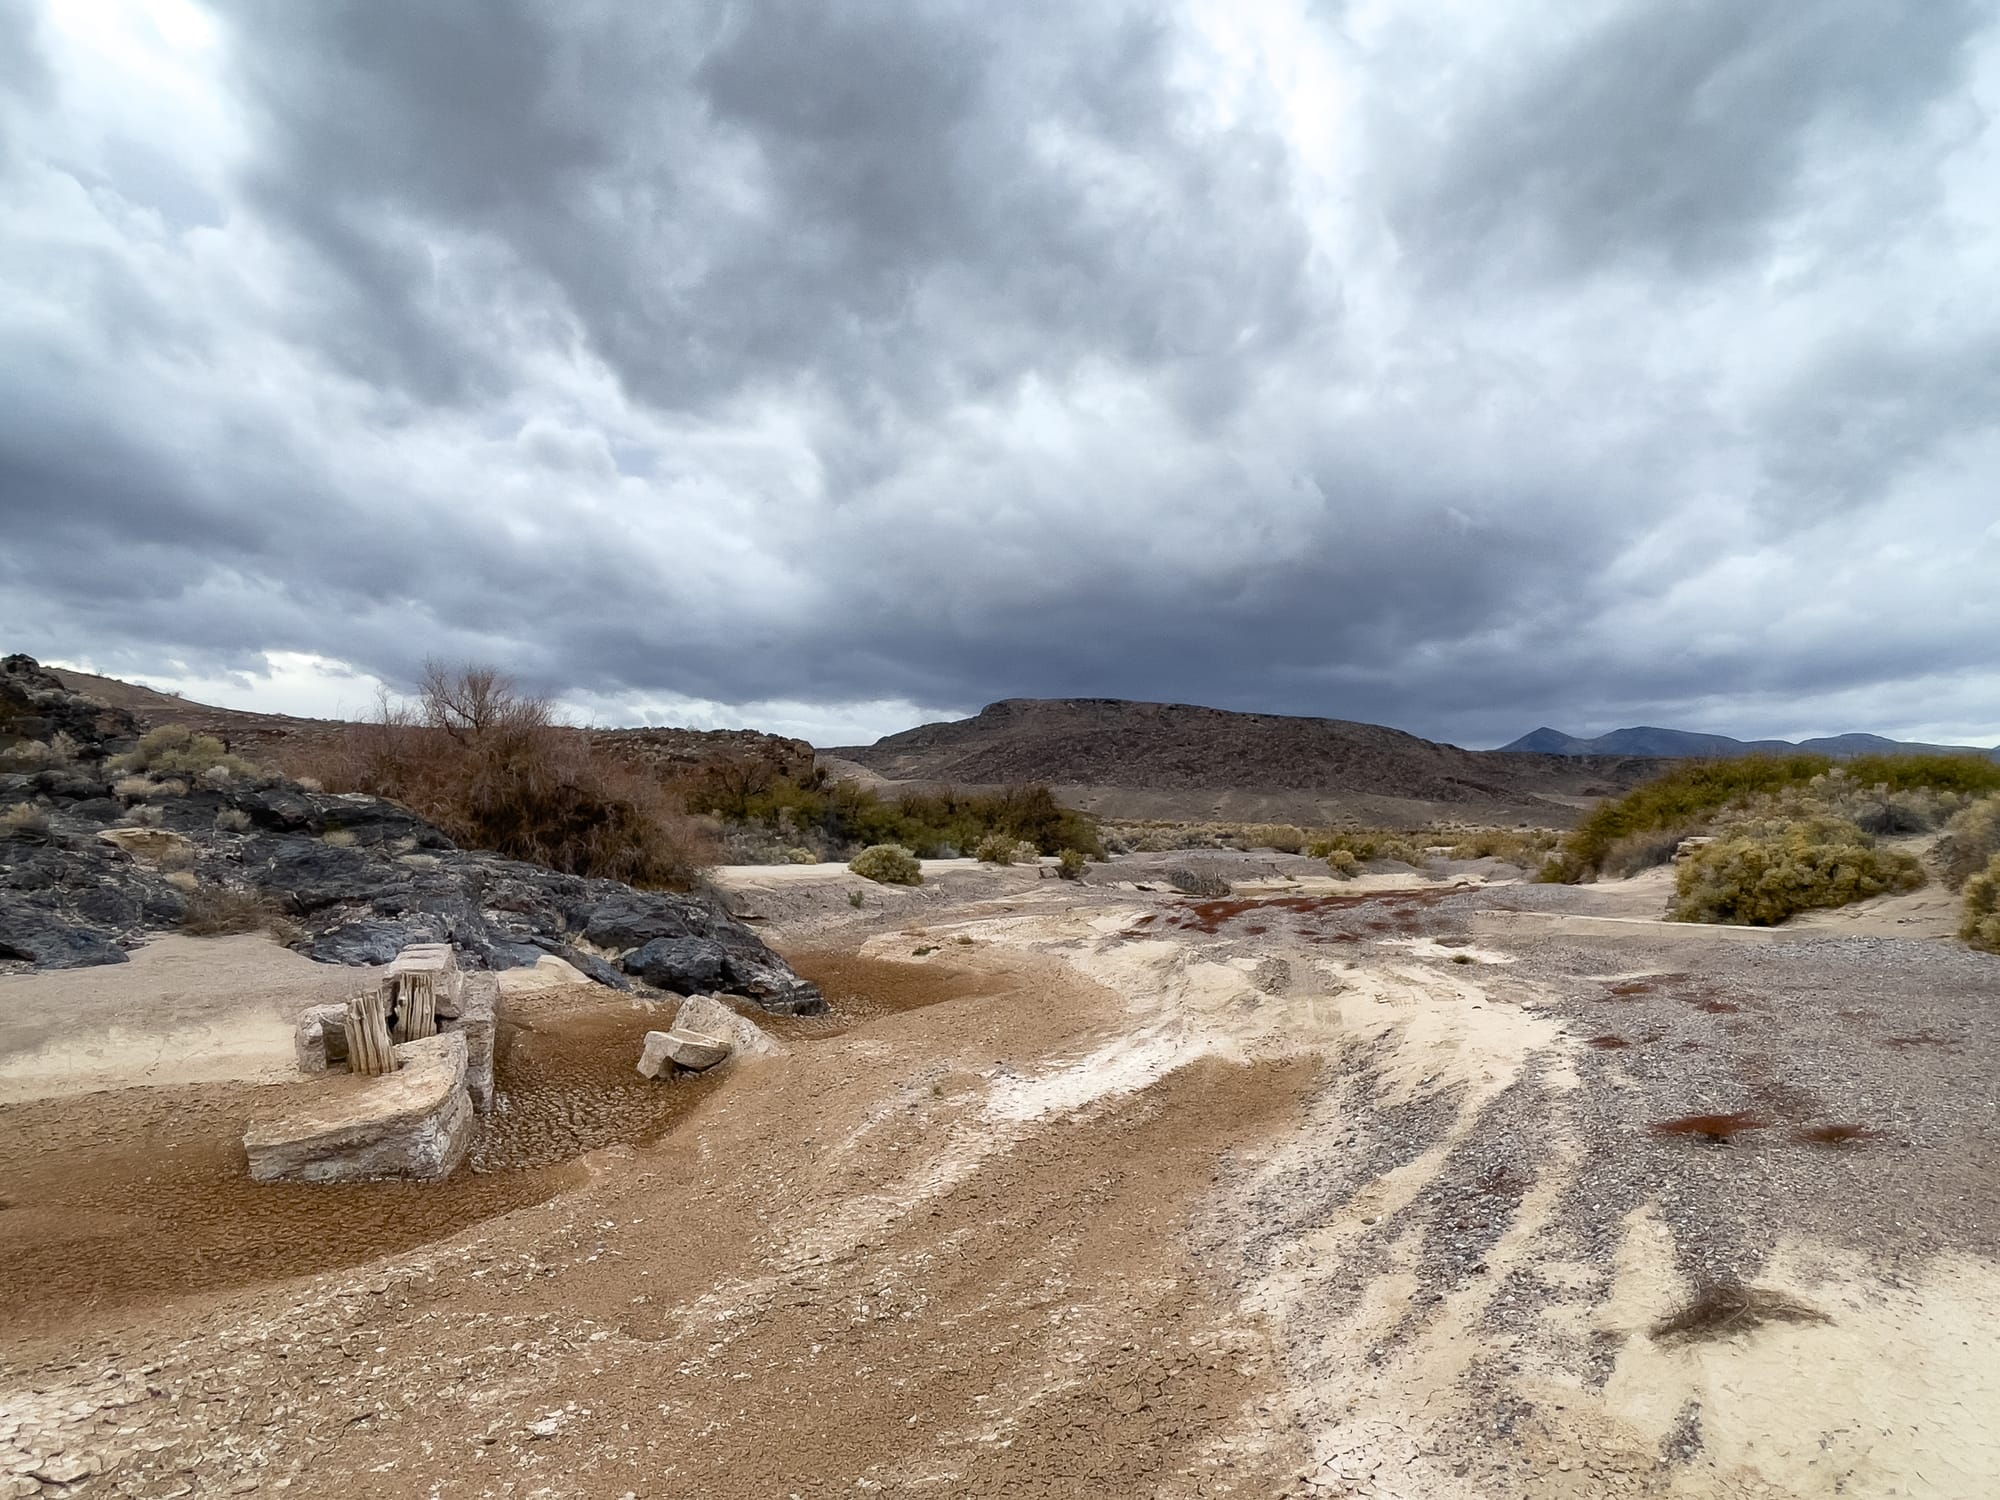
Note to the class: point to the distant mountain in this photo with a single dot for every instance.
(1685, 744)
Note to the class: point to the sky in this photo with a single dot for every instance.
(1461, 365)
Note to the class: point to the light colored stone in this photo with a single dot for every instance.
(475, 1016)
(684, 1049)
(321, 1038)
(416, 1122)
(154, 845)
(707, 1015)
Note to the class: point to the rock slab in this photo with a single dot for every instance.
(414, 1123)
(712, 1016)
(681, 1049)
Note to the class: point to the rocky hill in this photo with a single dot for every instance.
(92, 860)
(1129, 759)
(285, 741)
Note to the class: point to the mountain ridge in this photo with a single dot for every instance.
(1653, 742)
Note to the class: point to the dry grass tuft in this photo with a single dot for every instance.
(1729, 1308)
(225, 910)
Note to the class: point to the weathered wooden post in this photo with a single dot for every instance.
(416, 1003)
(367, 1028)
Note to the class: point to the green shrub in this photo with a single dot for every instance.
(1970, 842)
(1687, 797)
(1762, 873)
(1071, 864)
(1003, 849)
(887, 864)
(845, 816)
(1283, 837)
(176, 750)
(1342, 863)
(1981, 926)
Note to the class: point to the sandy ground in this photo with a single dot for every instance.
(1088, 1191)
(183, 1010)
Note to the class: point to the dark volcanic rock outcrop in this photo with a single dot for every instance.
(358, 878)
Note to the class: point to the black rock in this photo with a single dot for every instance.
(371, 942)
(687, 966)
(630, 919)
(387, 878)
(30, 934)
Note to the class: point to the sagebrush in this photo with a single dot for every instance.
(1980, 925)
(1759, 874)
(1874, 793)
(1970, 843)
(887, 864)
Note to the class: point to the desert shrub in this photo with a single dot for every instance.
(232, 820)
(1971, 840)
(1198, 882)
(844, 816)
(1342, 863)
(887, 864)
(143, 815)
(1689, 796)
(1071, 864)
(24, 820)
(1004, 849)
(340, 838)
(222, 910)
(130, 788)
(1640, 851)
(27, 755)
(176, 750)
(1283, 837)
(490, 766)
(1981, 924)
(1762, 873)
(1517, 846)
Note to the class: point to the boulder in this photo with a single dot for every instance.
(33, 935)
(685, 965)
(710, 1016)
(413, 1123)
(371, 942)
(632, 919)
(682, 1049)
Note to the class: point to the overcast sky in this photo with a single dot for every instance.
(1464, 365)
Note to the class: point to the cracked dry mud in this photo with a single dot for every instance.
(1105, 1193)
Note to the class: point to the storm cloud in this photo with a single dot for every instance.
(1462, 367)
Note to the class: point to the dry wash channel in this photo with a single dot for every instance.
(1095, 1192)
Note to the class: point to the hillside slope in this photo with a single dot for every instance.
(286, 741)
(1127, 759)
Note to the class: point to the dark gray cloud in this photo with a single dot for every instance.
(1457, 370)
(1676, 132)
